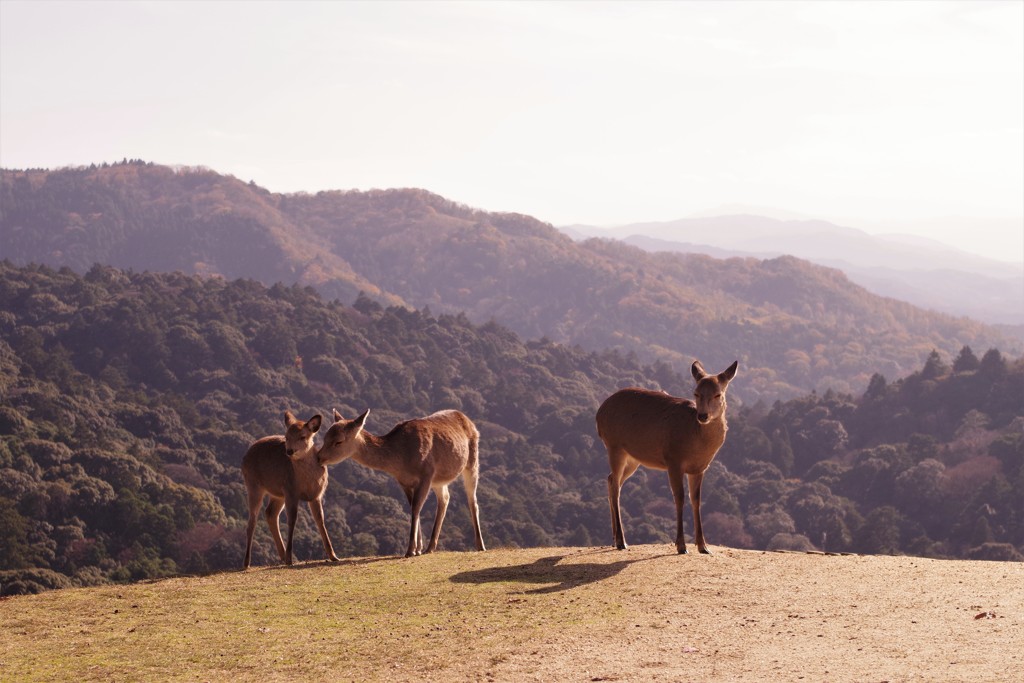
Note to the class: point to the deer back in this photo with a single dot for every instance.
(445, 442)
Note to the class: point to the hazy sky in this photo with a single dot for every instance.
(878, 115)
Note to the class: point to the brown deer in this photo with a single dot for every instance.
(286, 469)
(424, 454)
(682, 436)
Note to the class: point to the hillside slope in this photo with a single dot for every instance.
(414, 248)
(128, 399)
(589, 614)
(995, 296)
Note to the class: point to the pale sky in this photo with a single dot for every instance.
(885, 116)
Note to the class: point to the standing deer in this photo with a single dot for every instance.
(422, 454)
(286, 468)
(641, 427)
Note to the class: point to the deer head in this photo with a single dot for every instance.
(298, 436)
(709, 394)
(342, 439)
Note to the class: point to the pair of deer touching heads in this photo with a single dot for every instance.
(423, 455)
(338, 444)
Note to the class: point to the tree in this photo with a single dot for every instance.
(995, 552)
(992, 365)
(17, 549)
(728, 530)
(966, 361)
(876, 387)
(766, 522)
(821, 516)
(919, 494)
(1009, 450)
(880, 533)
(934, 367)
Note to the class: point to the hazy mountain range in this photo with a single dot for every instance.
(793, 325)
(923, 272)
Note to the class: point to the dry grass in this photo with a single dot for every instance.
(536, 614)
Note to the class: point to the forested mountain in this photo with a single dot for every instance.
(923, 272)
(793, 325)
(127, 400)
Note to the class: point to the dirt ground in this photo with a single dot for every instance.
(537, 614)
(752, 616)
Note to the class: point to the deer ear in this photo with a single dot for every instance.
(314, 424)
(337, 415)
(361, 420)
(726, 375)
(697, 370)
(289, 418)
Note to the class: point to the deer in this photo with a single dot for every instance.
(664, 432)
(422, 454)
(285, 468)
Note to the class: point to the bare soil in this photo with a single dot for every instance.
(750, 616)
(544, 614)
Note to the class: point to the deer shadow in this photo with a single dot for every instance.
(547, 570)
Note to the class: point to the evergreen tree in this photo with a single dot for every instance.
(966, 361)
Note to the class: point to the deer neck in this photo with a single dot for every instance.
(714, 430)
(307, 461)
(374, 453)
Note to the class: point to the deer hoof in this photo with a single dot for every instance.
(705, 551)
(681, 549)
(621, 546)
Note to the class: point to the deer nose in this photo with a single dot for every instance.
(702, 417)
(290, 451)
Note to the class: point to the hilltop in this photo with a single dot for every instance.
(414, 248)
(580, 614)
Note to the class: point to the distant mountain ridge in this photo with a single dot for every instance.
(793, 326)
(923, 272)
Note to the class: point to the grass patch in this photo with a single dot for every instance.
(355, 620)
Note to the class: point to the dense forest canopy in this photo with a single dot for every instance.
(128, 398)
(794, 326)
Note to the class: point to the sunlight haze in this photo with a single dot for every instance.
(894, 117)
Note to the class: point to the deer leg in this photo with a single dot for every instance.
(442, 495)
(292, 513)
(622, 468)
(695, 481)
(273, 515)
(419, 497)
(469, 482)
(255, 499)
(316, 508)
(410, 494)
(675, 480)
